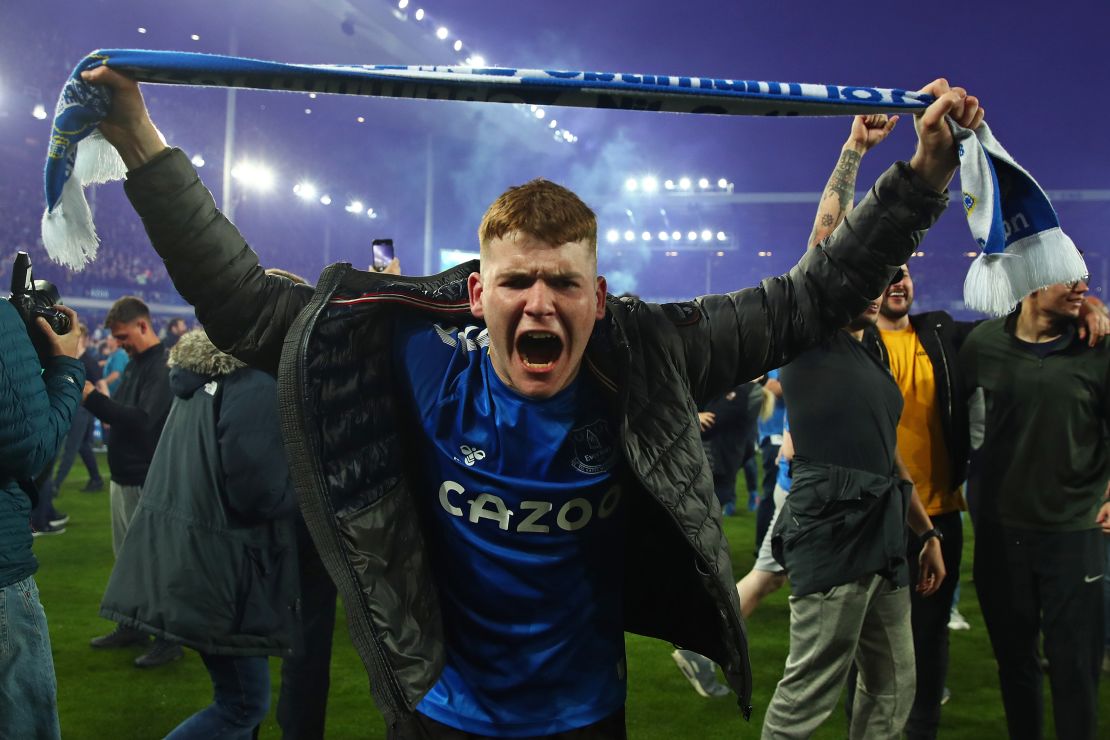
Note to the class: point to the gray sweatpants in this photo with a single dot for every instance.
(123, 500)
(867, 621)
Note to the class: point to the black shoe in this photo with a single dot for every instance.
(160, 653)
(49, 529)
(93, 486)
(120, 637)
(58, 519)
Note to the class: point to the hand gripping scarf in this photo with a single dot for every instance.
(79, 156)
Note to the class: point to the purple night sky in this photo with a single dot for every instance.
(1034, 66)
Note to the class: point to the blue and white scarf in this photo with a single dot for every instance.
(70, 237)
(1014, 223)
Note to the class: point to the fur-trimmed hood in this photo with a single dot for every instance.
(194, 361)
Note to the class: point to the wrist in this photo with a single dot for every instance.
(851, 145)
(142, 146)
(935, 173)
(931, 535)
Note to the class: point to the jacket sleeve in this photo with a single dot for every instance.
(36, 408)
(147, 419)
(245, 312)
(732, 338)
(256, 475)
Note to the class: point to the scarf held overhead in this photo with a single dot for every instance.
(77, 155)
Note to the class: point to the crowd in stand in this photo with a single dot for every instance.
(502, 472)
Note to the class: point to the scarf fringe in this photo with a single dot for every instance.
(994, 282)
(68, 233)
(1050, 257)
(97, 161)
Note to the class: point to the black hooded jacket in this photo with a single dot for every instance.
(348, 444)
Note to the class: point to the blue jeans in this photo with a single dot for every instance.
(241, 698)
(28, 689)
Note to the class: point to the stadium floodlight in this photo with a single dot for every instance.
(553, 124)
(721, 236)
(668, 184)
(355, 206)
(720, 254)
(305, 190)
(312, 96)
(676, 235)
(419, 14)
(458, 45)
(631, 184)
(706, 235)
(253, 175)
(197, 160)
(703, 183)
(371, 213)
(195, 37)
(39, 111)
(361, 119)
(325, 199)
(629, 235)
(722, 183)
(664, 236)
(308, 111)
(569, 138)
(649, 184)
(692, 236)
(684, 183)
(442, 33)
(540, 113)
(402, 4)
(142, 29)
(646, 236)
(612, 236)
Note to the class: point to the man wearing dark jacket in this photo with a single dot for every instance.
(464, 481)
(1041, 399)
(135, 415)
(36, 405)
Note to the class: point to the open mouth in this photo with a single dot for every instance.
(539, 350)
(896, 294)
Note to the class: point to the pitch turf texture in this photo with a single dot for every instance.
(101, 694)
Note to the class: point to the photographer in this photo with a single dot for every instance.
(36, 408)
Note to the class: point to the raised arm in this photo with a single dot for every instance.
(732, 338)
(245, 312)
(840, 191)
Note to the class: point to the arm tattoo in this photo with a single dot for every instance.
(836, 200)
(842, 184)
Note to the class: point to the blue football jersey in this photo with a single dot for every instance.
(524, 520)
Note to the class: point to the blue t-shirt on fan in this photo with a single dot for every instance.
(525, 524)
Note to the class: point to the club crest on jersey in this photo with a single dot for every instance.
(593, 448)
(471, 455)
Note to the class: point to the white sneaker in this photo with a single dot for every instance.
(956, 621)
(700, 672)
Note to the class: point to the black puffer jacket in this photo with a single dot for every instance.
(210, 557)
(346, 440)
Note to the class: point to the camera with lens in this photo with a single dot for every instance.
(34, 298)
